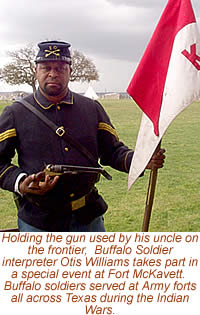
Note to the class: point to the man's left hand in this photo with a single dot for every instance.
(157, 160)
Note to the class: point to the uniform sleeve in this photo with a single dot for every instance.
(8, 144)
(112, 151)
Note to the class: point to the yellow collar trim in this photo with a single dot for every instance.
(41, 104)
(65, 102)
(53, 104)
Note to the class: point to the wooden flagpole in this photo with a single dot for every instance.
(150, 196)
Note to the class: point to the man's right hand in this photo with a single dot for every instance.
(37, 184)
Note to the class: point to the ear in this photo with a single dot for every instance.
(36, 70)
(70, 69)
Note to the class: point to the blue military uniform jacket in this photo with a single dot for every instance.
(37, 146)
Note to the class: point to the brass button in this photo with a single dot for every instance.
(58, 107)
(72, 195)
(66, 149)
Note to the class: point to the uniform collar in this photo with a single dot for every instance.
(45, 104)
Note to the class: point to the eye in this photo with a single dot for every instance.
(46, 68)
(61, 69)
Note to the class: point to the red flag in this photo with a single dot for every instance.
(152, 70)
(167, 79)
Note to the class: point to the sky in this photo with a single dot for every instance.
(112, 33)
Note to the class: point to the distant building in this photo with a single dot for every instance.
(12, 96)
(115, 96)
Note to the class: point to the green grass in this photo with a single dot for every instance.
(177, 198)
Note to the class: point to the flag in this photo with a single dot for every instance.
(167, 79)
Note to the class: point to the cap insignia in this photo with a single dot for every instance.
(52, 51)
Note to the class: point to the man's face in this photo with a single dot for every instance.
(53, 77)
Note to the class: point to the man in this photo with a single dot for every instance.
(59, 203)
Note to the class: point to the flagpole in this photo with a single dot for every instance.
(150, 196)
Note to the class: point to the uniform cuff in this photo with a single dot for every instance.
(19, 177)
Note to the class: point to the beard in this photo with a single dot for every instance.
(54, 89)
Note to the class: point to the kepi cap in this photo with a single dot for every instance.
(53, 51)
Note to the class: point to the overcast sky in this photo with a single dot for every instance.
(113, 33)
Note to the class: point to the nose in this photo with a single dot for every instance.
(53, 73)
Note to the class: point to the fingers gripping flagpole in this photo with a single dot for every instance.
(150, 196)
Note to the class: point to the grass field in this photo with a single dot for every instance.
(177, 198)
